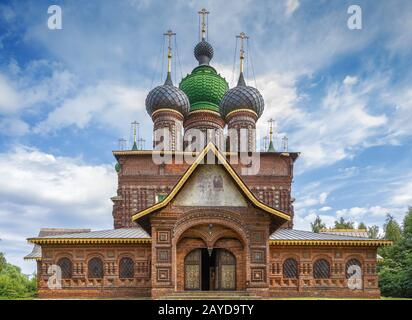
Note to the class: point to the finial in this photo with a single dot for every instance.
(242, 36)
(135, 126)
(285, 143)
(265, 142)
(203, 50)
(271, 146)
(122, 143)
(203, 13)
(169, 33)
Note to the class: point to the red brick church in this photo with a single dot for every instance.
(194, 219)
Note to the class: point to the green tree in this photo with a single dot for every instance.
(362, 226)
(395, 272)
(13, 283)
(392, 229)
(342, 224)
(2, 261)
(407, 225)
(317, 225)
(373, 232)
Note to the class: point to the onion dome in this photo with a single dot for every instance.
(242, 97)
(167, 96)
(203, 52)
(204, 86)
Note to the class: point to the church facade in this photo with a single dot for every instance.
(193, 220)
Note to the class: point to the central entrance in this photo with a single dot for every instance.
(210, 270)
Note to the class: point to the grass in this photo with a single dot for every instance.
(17, 298)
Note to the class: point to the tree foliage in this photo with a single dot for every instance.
(395, 272)
(362, 226)
(373, 232)
(342, 224)
(407, 225)
(392, 229)
(2, 261)
(317, 225)
(14, 284)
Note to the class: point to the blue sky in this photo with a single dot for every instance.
(343, 97)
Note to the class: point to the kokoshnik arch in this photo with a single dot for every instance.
(182, 228)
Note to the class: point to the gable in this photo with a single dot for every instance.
(248, 194)
(210, 185)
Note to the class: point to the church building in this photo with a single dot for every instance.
(192, 221)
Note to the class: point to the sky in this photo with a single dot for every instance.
(343, 97)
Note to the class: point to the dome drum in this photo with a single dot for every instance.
(209, 119)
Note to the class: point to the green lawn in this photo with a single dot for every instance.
(20, 298)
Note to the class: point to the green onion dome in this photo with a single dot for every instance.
(167, 96)
(242, 97)
(204, 88)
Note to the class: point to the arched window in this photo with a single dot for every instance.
(321, 269)
(66, 267)
(290, 269)
(126, 268)
(95, 268)
(351, 268)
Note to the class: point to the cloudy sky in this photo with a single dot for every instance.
(343, 97)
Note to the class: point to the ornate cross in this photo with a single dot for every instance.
(169, 33)
(242, 36)
(203, 13)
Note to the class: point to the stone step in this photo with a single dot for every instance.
(211, 295)
(186, 297)
(211, 292)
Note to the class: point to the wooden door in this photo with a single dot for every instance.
(227, 270)
(193, 262)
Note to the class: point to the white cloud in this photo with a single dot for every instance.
(291, 6)
(9, 98)
(106, 104)
(324, 209)
(322, 197)
(39, 189)
(403, 195)
(13, 127)
(336, 129)
(350, 81)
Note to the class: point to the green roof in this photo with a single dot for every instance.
(204, 87)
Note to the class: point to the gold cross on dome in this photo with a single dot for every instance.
(242, 36)
(203, 13)
(169, 33)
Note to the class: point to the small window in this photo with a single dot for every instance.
(95, 268)
(126, 268)
(290, 269)
(350, 271)
(321, 269)
(66, 267)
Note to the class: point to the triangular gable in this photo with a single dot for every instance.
(211, 147)
(210, 185)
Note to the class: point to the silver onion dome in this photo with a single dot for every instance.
(167, 96)
(242, 97)
(203, 52)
